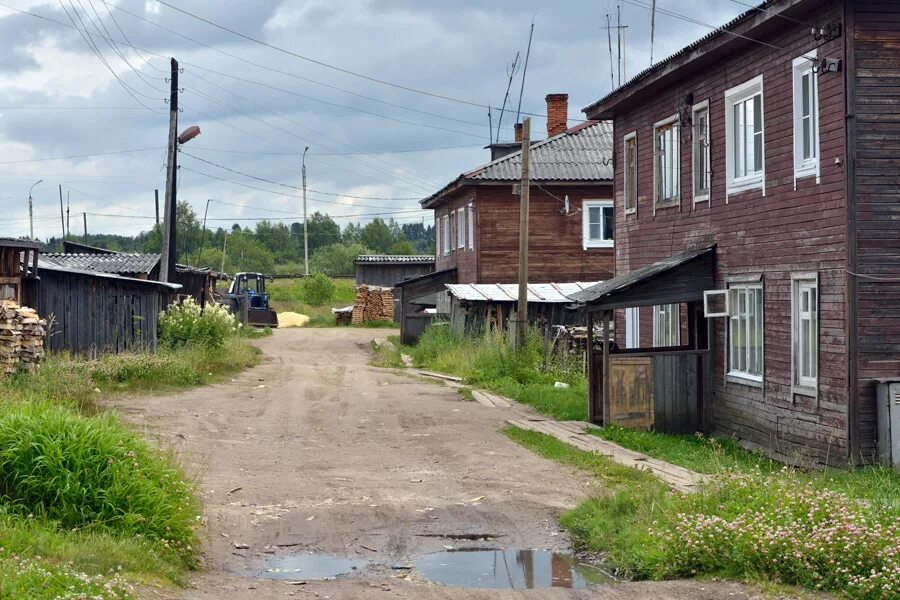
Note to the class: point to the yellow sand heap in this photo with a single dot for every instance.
(292, 319)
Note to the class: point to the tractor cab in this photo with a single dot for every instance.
(250, 289)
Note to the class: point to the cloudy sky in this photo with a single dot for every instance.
(83, 106)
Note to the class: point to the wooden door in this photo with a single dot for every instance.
(631, 392)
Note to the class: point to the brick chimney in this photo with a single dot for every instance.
(518, 130)
(557, 113)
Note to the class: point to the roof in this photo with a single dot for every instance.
(70, 247)
(62, 269)
(764, 11)
(23, 244)
(542, 293)
(396, 259)
(426, 277)
(580, 154)
(627, 280)
(104, 263)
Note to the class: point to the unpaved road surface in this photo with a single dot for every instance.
(314, 451)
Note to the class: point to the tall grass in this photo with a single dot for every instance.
(524, 374)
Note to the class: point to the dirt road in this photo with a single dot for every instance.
(314, 451)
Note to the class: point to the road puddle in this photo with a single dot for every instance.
(508, 569)
(309, 566)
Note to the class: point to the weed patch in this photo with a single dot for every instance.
(37, 580)
(386, 355)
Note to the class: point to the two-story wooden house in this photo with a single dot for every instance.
(571, 231)
(757, 173)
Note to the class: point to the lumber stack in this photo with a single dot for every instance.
(372, 303)
(22, 334)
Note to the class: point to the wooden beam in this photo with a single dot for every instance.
(605, 381)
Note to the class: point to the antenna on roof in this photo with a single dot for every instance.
(511, 71)
(524, 72)
(612, 77)
(652, 29)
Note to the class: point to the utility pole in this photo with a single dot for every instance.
(31, 208)
(524, 199)
(224, 249)
(305, 229)
(62, 216)
(203, 233)
(612, 77)
(167, 262)
(156, 193)
(85, 226)
(68, 208)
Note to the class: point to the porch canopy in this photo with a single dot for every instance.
(681, 278)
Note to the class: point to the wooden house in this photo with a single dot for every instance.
(571, 231)
(757, 237)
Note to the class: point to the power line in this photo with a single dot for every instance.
(771, 12)
(110, 153)
(372, 152)
(232, 219)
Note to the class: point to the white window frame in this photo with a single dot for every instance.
(446, 232)
(736, 95)
(471, 221)
(699, 195)
(461, 229)
(736, 284)
(586, 240)
(666, 321)
(437, 237)
(633, 327)
(803, 384)
(675, 200)
(629, 177)
(806, 167)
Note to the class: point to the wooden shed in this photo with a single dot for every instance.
(18, 258)
(419, 300)
(388, 271)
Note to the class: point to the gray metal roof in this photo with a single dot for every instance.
(49, 266)
(395, 259)
(104, 263)
(627, 280)
(548, 293)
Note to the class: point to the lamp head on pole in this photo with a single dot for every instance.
(33, 186)
(188, 134)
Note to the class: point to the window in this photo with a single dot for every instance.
(744, 140)
(805, 331)
(597, 224)
(629, 174)
(806, 117)
(471, 226)
(461, 228)
(633, 327)
(666, 326)
(437, 236)
(700, 152)
(452, 225)
(446, 231)
(745, 331)
(665, 162)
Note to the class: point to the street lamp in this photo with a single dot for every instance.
(305, 230)
(30, 208)
(169, 252)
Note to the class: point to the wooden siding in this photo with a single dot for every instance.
(464, 260)
(97, 315)
(389, 275)
(773, 234)
(875, 110)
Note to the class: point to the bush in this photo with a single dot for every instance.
(187, 324)
(317, 289)
(93, 472)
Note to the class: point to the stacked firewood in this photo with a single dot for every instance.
(373, 303)
(22, 334)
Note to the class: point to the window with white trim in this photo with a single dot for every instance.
(471, 222)
(745, 331)
(629, 173)
(597, 224)
(700, 152)
(805, 332)
(633, 327)
(452, 224)
(446, 231)
(806, 117)
(744, 136)
(461, 228)
(666, 325)
(437, 236)
(666, 164)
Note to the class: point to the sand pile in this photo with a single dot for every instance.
(292, 319)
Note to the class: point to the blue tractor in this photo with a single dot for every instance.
(247, 298)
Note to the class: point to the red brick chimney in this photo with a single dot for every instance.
(518, 129)
(557, 113)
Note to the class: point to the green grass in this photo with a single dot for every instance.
(386, 355)
(487, 361)
(285, 296)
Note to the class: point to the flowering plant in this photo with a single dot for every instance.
(187, 323)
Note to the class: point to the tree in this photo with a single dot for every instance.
(276, 237)
(322, 231)
(337, 259)
(352, 233)
(378, 236)
(401, 248)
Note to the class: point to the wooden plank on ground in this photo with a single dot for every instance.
(482, 398)
(439, 376)
(573, 433)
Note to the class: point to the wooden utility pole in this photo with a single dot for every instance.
(167, 262)
(85, 226)
(62, 214)
(524, 198)
(156, 194)
(224, 249)
(305, 229)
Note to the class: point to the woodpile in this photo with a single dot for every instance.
(373, 303)
(22, 334)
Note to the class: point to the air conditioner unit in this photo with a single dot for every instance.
(887, 395)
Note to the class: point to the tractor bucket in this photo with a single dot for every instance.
(263, 318)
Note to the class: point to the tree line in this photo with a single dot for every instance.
(271, 246)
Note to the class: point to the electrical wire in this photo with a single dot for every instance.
(374, 152)
(772, 12)
(128, 40)
(110, 153)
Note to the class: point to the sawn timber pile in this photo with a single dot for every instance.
(22, 334)
(373, 303)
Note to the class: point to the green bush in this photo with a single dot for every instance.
(92, 472)
(317, 289)
(187, 324)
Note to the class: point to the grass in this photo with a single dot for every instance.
(285, 296)
(523, 375)
(387, 354)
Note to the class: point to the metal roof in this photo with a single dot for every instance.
(104, 263)
(47, 266)
(549, 293)
(581, 153)
(18, 243)
(621, 282)
(392, 259)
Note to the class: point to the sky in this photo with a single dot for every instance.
(83, 105)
